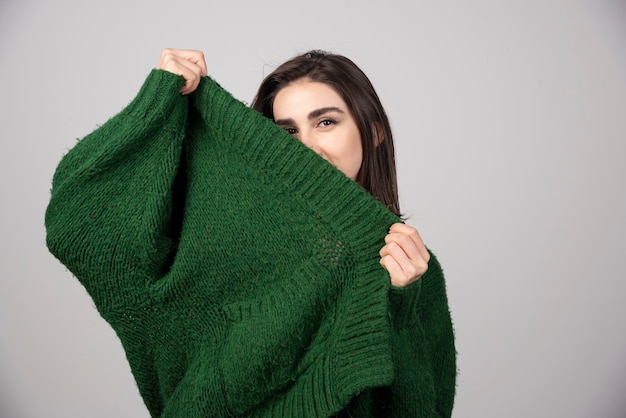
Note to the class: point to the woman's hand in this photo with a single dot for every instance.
(187, 63)
(404, 255)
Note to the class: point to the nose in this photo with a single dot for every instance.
(309, 140)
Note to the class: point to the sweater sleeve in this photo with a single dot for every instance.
(423, 348)
(108, 219)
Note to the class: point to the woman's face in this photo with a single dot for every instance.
(315, 114)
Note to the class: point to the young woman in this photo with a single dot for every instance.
(241, 271)
(329, 104)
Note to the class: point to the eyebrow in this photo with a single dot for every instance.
(312, 115)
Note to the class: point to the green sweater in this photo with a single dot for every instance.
(240, 270)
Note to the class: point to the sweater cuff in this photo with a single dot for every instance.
(158, 95)
(403, 302)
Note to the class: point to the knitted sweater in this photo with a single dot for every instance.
(240, 270)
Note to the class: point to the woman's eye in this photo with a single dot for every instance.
(291, 131)
(327, 122)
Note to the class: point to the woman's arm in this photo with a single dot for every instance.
(422, 336)
(109, 216)
(423, 347)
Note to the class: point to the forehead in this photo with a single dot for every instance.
(304, 95)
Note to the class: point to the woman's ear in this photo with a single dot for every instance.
(377, 133)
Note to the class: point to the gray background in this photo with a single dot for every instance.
(510, 128)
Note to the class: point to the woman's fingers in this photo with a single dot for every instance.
(415, 237)
(189, 64)
(404, 255)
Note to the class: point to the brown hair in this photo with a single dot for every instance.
(377, 174)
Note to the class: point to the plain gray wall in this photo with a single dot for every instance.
(510, 122)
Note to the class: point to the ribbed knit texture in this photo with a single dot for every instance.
(240, 270)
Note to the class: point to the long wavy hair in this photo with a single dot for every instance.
(377, 174)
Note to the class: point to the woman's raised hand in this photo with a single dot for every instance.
(404, 255)
(189, 64)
